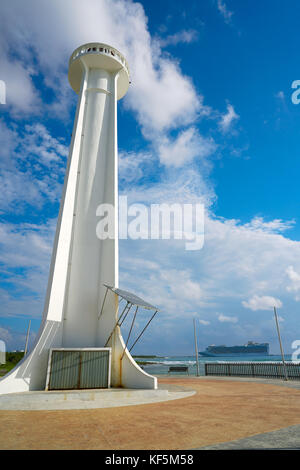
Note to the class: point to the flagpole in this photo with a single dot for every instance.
(281, 348)
(196, 348)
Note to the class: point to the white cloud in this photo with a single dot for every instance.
(204, 322)
(39, 143)
(235, 261)
(280, 95)
(32, 168)
(160, 95)
(180, 282)
(15, 340)
(133, 166)
(225, 12)
(182, 185)
(274, 226)
(21, 94)
(264, 302)
(163, 98)
(188, 145)
(8, 139)
(26, 245)
(228, 118)
(227, 319)
(184, 36)
(5, 335)
(294, 285)
(26, 251)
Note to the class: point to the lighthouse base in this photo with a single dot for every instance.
(30, 374)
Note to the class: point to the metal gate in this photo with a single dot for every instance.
(71, 369)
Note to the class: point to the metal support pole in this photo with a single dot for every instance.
(120, 324)
(281, 348)
(196, 348)
(128, 305)
(130, 331)
(27, 338)
(143, 330)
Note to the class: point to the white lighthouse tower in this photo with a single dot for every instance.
(80, 312)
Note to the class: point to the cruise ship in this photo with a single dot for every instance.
(248, 349)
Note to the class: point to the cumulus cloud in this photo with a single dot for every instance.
(264, 302)
(228, 118)
(236, 259)
(227, 319)
(163, 98)
(180, 281)
(21, 94)
(161, 95)
(294, 278)
(188, 145)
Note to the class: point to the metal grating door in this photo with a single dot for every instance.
(79, 369)
(94, 369)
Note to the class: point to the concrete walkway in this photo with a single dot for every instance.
(89, 399)
(223, 413)
(283, 439)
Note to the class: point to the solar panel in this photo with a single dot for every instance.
(132, 298)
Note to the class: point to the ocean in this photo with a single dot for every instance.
(160, 365)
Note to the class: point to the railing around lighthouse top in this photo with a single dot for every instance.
(99, 48)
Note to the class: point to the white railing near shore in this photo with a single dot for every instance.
(274, 370)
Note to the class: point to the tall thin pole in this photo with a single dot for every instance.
(27, 338)
(196, 348)
(281, 348)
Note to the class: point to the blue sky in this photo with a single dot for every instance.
(208, 118)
